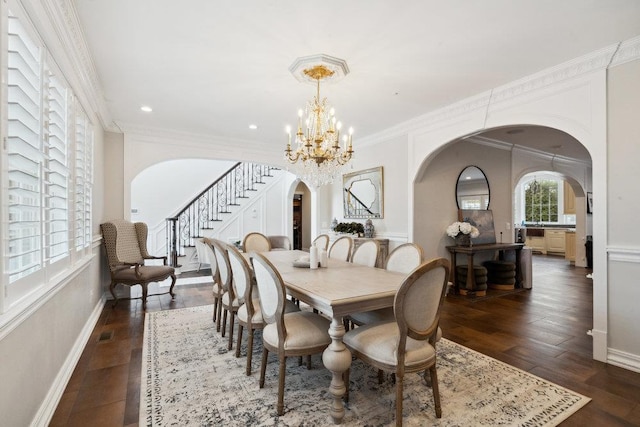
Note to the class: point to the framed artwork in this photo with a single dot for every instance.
(483, 221)
(589, 202)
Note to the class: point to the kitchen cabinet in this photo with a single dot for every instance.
(546, 240)
(569, 199)
(570, 246)
(555, 241)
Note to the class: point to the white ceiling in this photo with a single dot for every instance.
(214, 67)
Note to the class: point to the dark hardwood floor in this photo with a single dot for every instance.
(542, 331)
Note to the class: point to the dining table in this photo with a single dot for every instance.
(337, 290)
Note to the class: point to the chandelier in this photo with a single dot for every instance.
(318, 156)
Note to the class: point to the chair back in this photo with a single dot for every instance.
(242, 278)
(272, 292)
(224, 268)
(201, 252)
(341, 248)
(322, 241)
(211, 257)
(256, 242)
(280, 242)
(366, 253)
(418, 301)
(122, 242)
(405, 258)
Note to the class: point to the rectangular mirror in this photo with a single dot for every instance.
(363, 194)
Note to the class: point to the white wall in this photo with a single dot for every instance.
(623, 203)
(158, 191)
(435, 205)
(391, 154)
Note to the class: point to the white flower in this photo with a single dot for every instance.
(462, 227)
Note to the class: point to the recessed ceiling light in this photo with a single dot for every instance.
(253, 127)
(146, 109)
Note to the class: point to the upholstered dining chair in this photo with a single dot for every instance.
(341, 248)
(217, 289)
(249, 314)
(322, 241)
(201, 253)
(409, 344)
(279, 243)
(297, 333)
(126, 247)
(366, 253)
(229, 302)
(256, 242)
(403, 259)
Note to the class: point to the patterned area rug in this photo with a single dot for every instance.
(189, 378)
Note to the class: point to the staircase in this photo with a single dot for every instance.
(211, 206)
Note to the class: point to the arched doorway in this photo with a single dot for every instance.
(504, 162)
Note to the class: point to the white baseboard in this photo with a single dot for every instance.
(51, 401)
(624, 360)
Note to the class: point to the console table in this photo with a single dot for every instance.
(470, 251)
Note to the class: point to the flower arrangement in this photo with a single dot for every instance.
(462, 227)
(349, 227)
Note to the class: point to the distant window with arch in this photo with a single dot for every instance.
(541, 200)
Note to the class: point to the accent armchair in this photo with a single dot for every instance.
(126, 246)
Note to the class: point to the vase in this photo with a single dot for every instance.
(463, 240)
(368, 229)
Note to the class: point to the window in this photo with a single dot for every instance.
(541, 200)
(48, 149)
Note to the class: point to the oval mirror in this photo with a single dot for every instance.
(472, 189)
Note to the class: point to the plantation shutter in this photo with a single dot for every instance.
(24, 153)
(57, 166)
(83, 178)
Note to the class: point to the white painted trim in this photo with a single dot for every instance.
(23, 310)
(631, 255)
(624, 360)
(628, 50)
(51, 401)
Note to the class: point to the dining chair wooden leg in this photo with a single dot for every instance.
(224, 323)
(215, 309)
(281, 377)
(436, 391)
(231, 327)
(380, 376)
(399, 384)
(308, 362)
(239, 343)
(263, 366)
(218, 321)
(346, 384)
(249, 350)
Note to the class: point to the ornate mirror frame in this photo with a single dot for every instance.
(472, 189)
(362, 194)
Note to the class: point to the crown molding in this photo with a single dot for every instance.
(224, 148)
(601, 59)
(59, 26)
(628, 50)
(502, 145)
